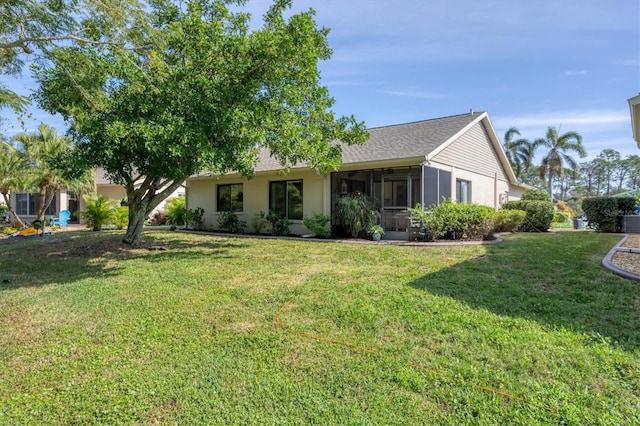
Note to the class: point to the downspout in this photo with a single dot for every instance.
(495, 191)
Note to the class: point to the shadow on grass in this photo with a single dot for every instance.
(66, 257)
(553, 279)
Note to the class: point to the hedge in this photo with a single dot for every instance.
(456, 221)
(508, 220)
(605, 213)
(539, 214)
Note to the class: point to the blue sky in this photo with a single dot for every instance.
(531, 64)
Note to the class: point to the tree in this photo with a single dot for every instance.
(607, 160)
(41, 150)
(32, 27)
(519, 152)
(634, 172)
(556, 158)
(13, 175)
(205, 93)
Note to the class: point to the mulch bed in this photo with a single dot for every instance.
(629, 261)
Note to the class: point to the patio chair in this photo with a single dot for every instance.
(62, 219)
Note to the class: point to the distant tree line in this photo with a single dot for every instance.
(561, 175)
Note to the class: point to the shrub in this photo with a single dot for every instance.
(279, 225)
(454, 221)
(605, 213)
(121, 216)
(566, 208)
(539, 214)
(175, 211)
(259, 222)
(99, 211)
(8, 230)
(357, 214)
(318, 225)
(560, 217)
(193, 218)
(506, 220)
(230, 222)
(535, 195)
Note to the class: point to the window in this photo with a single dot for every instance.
(285, 198)
(230, 198)
(27, 204)
(463, 191)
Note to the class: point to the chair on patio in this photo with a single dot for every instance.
(62, 219)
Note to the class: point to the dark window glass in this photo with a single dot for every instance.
(285, 198)
(230, 198)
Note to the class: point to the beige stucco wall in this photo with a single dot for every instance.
(113, 192)
(201, 192)
(492, 191)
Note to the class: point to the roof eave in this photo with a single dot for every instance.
(634, 108)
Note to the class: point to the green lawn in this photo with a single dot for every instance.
(212, 330)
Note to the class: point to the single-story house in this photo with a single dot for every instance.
(457, 157)
(26, 204)
(634, 107)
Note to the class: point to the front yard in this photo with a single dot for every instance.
(194, 329)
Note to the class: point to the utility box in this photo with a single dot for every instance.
(631, 224)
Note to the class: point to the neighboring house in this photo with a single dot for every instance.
(634, 107)
(113, 191)
(26, 204)
(457, 157)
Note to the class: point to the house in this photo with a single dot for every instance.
(26, 204)
(634, 107)
(457, 157)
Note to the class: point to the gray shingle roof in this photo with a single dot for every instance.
(397, 141)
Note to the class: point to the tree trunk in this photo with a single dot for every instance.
(137, 216)
(550, 186)
(5, 195)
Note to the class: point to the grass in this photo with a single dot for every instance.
(530, 331)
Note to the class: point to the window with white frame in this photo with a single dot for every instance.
(463, 191)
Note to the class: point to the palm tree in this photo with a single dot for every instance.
(44, 149)
(556, 158)
(519, 152)
(14, 173)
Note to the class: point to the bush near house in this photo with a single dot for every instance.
(605, 213)
(318, 225)
(230, 222)
(539, 214)
(453, 221)
(99, 211)
(175, 211)
(506, 220)
(536, 195)
(560, 217)
(538, 207)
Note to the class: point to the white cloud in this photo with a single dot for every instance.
(575, 73)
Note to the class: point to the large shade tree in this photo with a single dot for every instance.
(557, 158)
(203, 92)
(30, 28)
